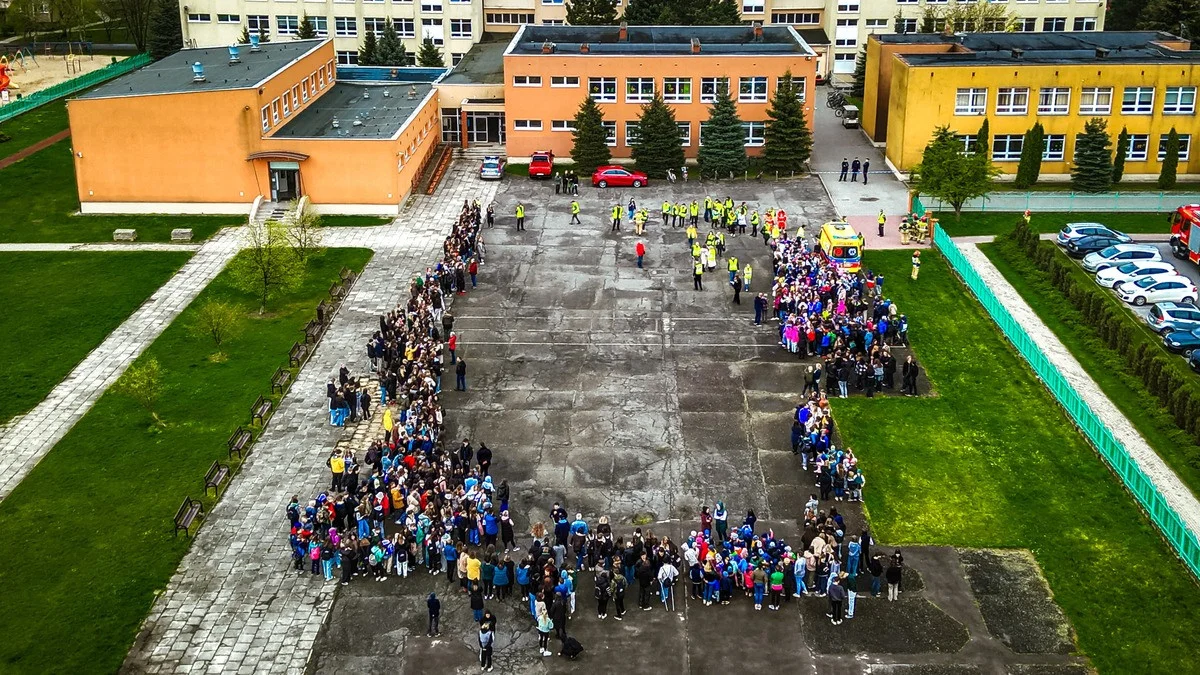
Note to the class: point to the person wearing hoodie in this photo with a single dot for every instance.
(435, 613)
(720, 523)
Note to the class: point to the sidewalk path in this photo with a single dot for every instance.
(40, 145)
(26, 439)
(235, 605)
(51, 247)
(1173, 490)
(832, 142)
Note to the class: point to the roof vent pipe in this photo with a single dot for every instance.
(233, 55)
(1018, 53)
(758, 32)
(623, 32)
(584, 48)
(695, 45)
(197, 72)
(547, 47)
(1101, 53)
(254, 40)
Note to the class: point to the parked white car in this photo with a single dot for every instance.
(1133, 271)
(1158, 289)
(1120, 254)
(1077, 230)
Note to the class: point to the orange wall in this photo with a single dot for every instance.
(548, 103)
(322, 58)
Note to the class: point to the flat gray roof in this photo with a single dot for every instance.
(482, 64)
(173, 74)
(663, 40)
(1045, 48)
(381, 116)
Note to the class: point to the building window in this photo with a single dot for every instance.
(995, 25)
(296, 97)
(431, 6)
(755, 133)
(1085, 23)
(460, 28)
(564, 81)
(450, 129)
(846, 33)
(1055, 147)
(199, 18)
(1012, 101)
(798, 83)
(796, 18)
(1179, 101)
(287, 25)
(1185, 144)
(347, 58)
(258, 24)
(1095, 101)
(1054, 24)
(1054, 101)
(685, 133)
(527, 80)
(527, 125)
(906, 26)
(677, 89)
(753, 7)
(1139, 145)
(554, 22)
(969, 143)
(850, 7)
(631, 134)
(639, 89)
(603, 89)
(1138, 101)
(1007, 147)
(431, 29)
(304, 91)
(877, 23)
(275, 112)
(970, 101)
(374, 25)
(703, 126)
(229, 18)
(509, 18)
(709, 86)
(610, 131)
(552, 2)
(456, 58)
(906, 2)
(751, 89)
(345, 26)
(266, 118)
(320, 24)
(1027, 25)
(405, 28)
(562, 125)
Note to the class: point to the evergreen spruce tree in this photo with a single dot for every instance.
(1093, 170)
(719, 13)
(788, 138)
(590, 148)
(166, 32)
(429, 55)
(368, 53)
(306, 30)
(724, 140)
(860, 74)
(591, 12)
(646, 12)
(949, 174)
(1122, 149)
(1031, 157)
(658, 146)
(1170, 164)
(264, 35)
(390, 50)
(983, 139)
(245, 37)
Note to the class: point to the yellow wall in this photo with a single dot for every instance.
(881, 59)
(923, 99)
(548, 103)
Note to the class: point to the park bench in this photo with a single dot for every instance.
(297, 354)
(189, 511)
(312, 332)
(260, 410)
(280, 379)
(337, 291)
(122, 234)
(181, 234)
(217, 473)
(238, 441)
(348, 276)
(323, 313)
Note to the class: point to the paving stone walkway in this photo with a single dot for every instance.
(234, 606)
(26, 439)
(1173, 490)
(97, 246)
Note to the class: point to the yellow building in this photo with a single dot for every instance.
(1144, 82)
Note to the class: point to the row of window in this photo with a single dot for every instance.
(674, 89)
(1092, 101)
(347, 26)
(755, 132)
(282, 107)
(1007, 147)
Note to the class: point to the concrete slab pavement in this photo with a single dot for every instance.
(831, 143)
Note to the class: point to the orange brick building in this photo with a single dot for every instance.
(548, 70)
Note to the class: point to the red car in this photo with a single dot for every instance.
(618, 176)
(541, 164)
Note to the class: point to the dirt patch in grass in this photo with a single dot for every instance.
(1016, 602)
(912, 625)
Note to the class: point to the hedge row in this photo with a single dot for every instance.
(1164, 377)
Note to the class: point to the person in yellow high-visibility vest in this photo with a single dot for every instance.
(691, 234)
(681, 214)
(666, 211)
(695, 211)
(916, 264)
(575, 212)
(616, 218)
(746, 277)
(697, 275)
(733, 267)
(708, 207)
(696, 250)
(754, 221)
(882, 220)
(520, 216)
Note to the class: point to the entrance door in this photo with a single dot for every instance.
(285, 184)
(495, 125)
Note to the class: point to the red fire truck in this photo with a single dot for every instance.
(1185, 232)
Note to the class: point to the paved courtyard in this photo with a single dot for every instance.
(624, 392)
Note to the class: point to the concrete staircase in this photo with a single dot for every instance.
(270, 211)
(478, 152)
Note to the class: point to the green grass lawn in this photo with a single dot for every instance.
(49, 325)
(38, 199)
(1177, 447)
(1000, 222)
(88, 532)
(29, 128)
(354, 221)
(993, 461)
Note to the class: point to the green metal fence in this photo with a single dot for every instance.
(1143, 489)
(74, 85)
